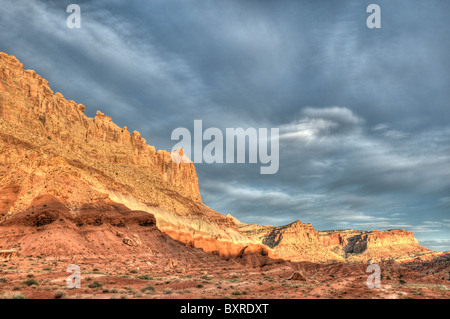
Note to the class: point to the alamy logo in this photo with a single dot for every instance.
(374, 19)
(236, 146)
(73, 20)
(374, 280)
(74, 280)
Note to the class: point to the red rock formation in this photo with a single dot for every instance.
(8, 196)
(27, 101)
(301, 242)
(102, 229)
(49, 147)
(377, 245)
(50, 150)
(295, 242)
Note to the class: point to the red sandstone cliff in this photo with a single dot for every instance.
(295, 242)
(49, 149)
(298, 242)
(365, 245)
(27, 101)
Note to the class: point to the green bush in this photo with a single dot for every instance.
(31, 282)
(60, 294)
(148, 289)
(95, 284)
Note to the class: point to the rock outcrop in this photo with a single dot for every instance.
(301, 242)
(7, 255)
(357, 245)
(49, 147)
(86, 172)
(294, 242)
(27, 101)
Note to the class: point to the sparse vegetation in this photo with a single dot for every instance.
(60, 294)
(31, 282)
(167, 291)
(148, 289)
(95, 284)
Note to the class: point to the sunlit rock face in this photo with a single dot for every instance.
(50, 149)
(70, 175)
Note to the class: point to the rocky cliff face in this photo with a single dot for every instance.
(298, 242)
(49, 147)
(295, 242)
(357, 245)
(27, 101)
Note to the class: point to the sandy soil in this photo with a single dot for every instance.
(151, 277)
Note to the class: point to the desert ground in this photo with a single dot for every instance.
(148, 277)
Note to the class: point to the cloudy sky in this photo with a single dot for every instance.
(363, 113)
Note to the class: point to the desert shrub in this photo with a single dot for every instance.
(31, 282)
(236, 293)
(95, 284)
(148, 289)
(60, 294)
